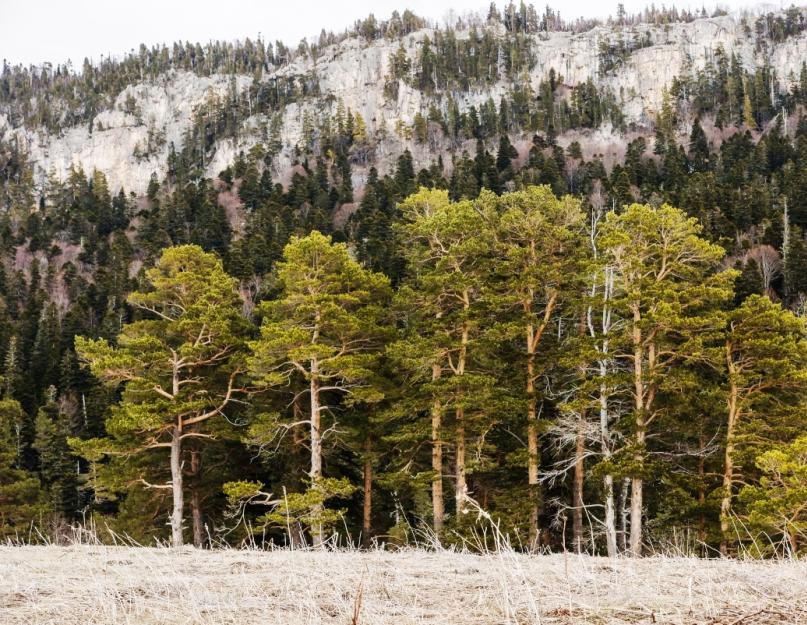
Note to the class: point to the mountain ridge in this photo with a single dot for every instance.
(354, 72)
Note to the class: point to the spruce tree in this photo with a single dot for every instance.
(21, 501)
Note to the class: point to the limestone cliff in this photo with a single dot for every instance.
(353, 72)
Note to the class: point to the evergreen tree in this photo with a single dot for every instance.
(180, 365)
(765, 353)
(670, 292)
(57, 466)
(326, 326)
(21, 501)
(538, 246)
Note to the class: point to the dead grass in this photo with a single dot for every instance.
(143, 586)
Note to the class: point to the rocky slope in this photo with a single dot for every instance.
(353, 72)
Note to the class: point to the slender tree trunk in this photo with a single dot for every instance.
(461, 492)
(533, 458)
(577, 495)
(196, 502)
(636, 516)
(198, 525)
(728, 462)
(610, 516)
(176, 488)
(608, 479)
(639, 439)
(605, 432)
(317, 532)
(702, 493)
(533, 338)
(793, 541)
(438, 504)
(367, 512)
(623, 514)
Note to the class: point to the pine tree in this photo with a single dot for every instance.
(748, 111)
(57, 466)
(538, 247)
(326, 326)
(765, 356)
(670, 291)
(447, 249)
(192, 332)
(698, 147)
(776, 505)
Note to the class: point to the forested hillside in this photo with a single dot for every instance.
(493, 290)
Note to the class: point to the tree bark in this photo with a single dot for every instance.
(639, 438)
(605, 432)
(533, 459)
(461, 492)
(438, 504)
(577, 495)
(176, 487)
(623, 514)
(702, 493)
(317, 532)
(608, 479)
(196, 502)
(728, 462)
(198, 525)
(367, 512)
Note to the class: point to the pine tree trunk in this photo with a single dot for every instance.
(608, 479)
(610, 516)
(176, 488)
(533, 338)
(702, 493)
(623, 514)
(577, 496)
(793, 541)
(461, 492)
(533, 458)
(605, 433)
(639, 438)
(438, 504)
(196, 503)
(317, 532)
(196, 514)
(728, 462)
(367, 512)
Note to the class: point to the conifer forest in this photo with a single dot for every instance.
(484, 296)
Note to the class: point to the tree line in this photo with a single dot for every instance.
(534, 360)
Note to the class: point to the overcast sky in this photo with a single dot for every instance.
(34, 31)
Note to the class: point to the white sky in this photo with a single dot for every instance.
(34, 31)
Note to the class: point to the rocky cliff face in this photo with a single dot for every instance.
(354, 72)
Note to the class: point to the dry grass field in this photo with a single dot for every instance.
(140, 586)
